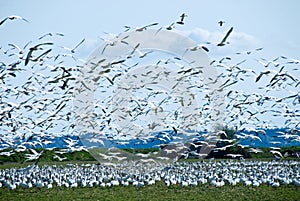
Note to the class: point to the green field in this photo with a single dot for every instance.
(48, 155)
(155, 192)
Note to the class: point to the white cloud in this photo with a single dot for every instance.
(244, 40)
(238, 41)
(89, 45)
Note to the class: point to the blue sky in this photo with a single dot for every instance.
(269, 24)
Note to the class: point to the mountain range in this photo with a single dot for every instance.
(277, 137)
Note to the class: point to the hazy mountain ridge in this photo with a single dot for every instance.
(277, 137)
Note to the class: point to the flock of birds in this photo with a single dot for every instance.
(248, 173)
(36, 93)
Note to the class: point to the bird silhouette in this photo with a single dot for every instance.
(32, 49)
(221, 23)
(13, 17)
(182, 17)
(223, 42)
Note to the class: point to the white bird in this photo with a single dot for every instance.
(59, 158)
(13, 17)
(72, 50)
(276, 153)
(34, 156)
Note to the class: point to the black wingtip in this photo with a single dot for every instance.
(205, 48)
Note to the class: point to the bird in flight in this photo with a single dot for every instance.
(182, 18)
(37, 47)
(13, 17)
(73, 50)
(145, 27)
(223, 42)
(221, 23)
(261, 74)
(50, 34)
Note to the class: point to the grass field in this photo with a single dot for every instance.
(48, 155)
(155, 192)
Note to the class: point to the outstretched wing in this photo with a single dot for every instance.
(222, 43)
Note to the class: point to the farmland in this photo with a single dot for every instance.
(155, 192)
(190, 170)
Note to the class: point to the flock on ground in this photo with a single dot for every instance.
(37, 86)
(248, 173)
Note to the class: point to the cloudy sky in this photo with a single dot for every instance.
(268, 24)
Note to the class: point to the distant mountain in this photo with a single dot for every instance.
(38, 141)
(278, 137)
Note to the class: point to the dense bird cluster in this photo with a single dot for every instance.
(37, 89)
(249, 173)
